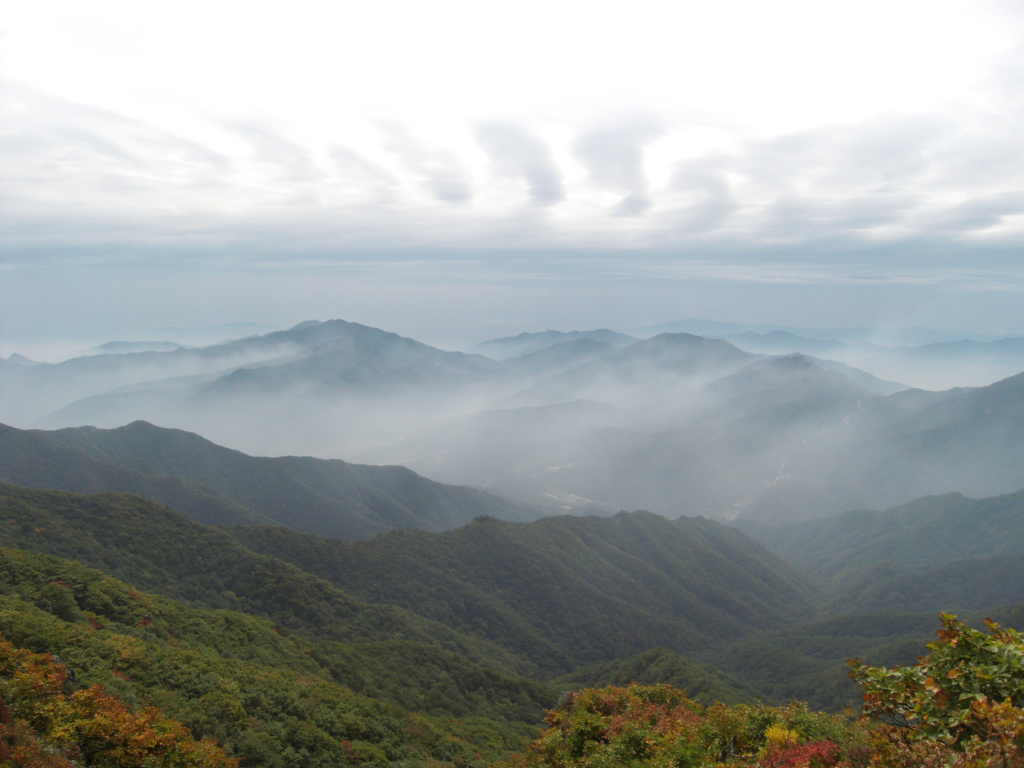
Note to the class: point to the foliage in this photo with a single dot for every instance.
(660, 726)
(702, 682)
(960, 706)
(966, 695)
(265, 694)
(565, 591)
(43, 725)
(159, 550)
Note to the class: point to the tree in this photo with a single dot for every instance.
(966, 696)
(43, 725)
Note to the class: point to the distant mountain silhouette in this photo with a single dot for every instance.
(217, 485)
(526, 343)
(676, 423)
(947, 552)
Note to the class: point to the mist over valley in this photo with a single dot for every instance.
(591, 422)
(557, 385)
(460, 537)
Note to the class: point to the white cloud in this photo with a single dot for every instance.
(738, 131)
(516, 152)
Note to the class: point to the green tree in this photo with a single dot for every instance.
(961, 704)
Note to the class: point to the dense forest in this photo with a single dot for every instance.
(419, 648)
(166, 600)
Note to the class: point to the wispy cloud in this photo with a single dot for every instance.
(517, 153)
(439, 170)
(614, 157)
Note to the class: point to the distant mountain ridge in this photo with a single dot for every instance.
(678, 423)
(335, 350)
(944, 552)
(218, 485)
(901, 336)
(527, 343)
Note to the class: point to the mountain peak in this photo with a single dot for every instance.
(305, 324)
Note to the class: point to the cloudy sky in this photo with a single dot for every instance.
(462, 170)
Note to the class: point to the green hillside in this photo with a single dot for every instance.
(159, 550)
(37, 459)
(324, 497)
(261, 692)
(702, 682)
(566, 591)
(456, 642)
(948, 553)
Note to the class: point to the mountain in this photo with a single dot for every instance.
(914, 444)
(220, 486)
(647, 375)
(888, 337)
(357, 358)
(122, 347)
(719, 448)
(940, 364)
(702, 682)
(550, 595)
(317, 388)
(966, 350)
(526, 343)
(36, 459)
(781, 343)
(565, 591)
(946, 552)
(156, 549)
(31, 392)
(264, 693)
(677, 423)
(329, 356)
(464, 621)
(559, 357)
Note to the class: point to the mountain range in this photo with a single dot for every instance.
(587, 421)
(216, 485)
(946, 552)
(426, 605)
(503, 614)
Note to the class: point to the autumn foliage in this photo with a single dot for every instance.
(960, 706)
(44, 725)
(659, 726)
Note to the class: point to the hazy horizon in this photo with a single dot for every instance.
(458, 172)
(76, 343)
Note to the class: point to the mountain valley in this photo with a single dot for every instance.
(434, 546)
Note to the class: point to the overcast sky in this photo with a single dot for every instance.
(463, 170)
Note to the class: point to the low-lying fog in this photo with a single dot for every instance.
(679, 424)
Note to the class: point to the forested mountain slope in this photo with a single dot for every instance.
(157, 549)
(267, 695)
(566, 590)
(944, 552)
(217, 485)
(37, 459)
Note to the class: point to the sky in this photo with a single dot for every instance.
(456, 171)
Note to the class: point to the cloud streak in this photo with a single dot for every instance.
(517, 153)
(614, 158)
(440, 171)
